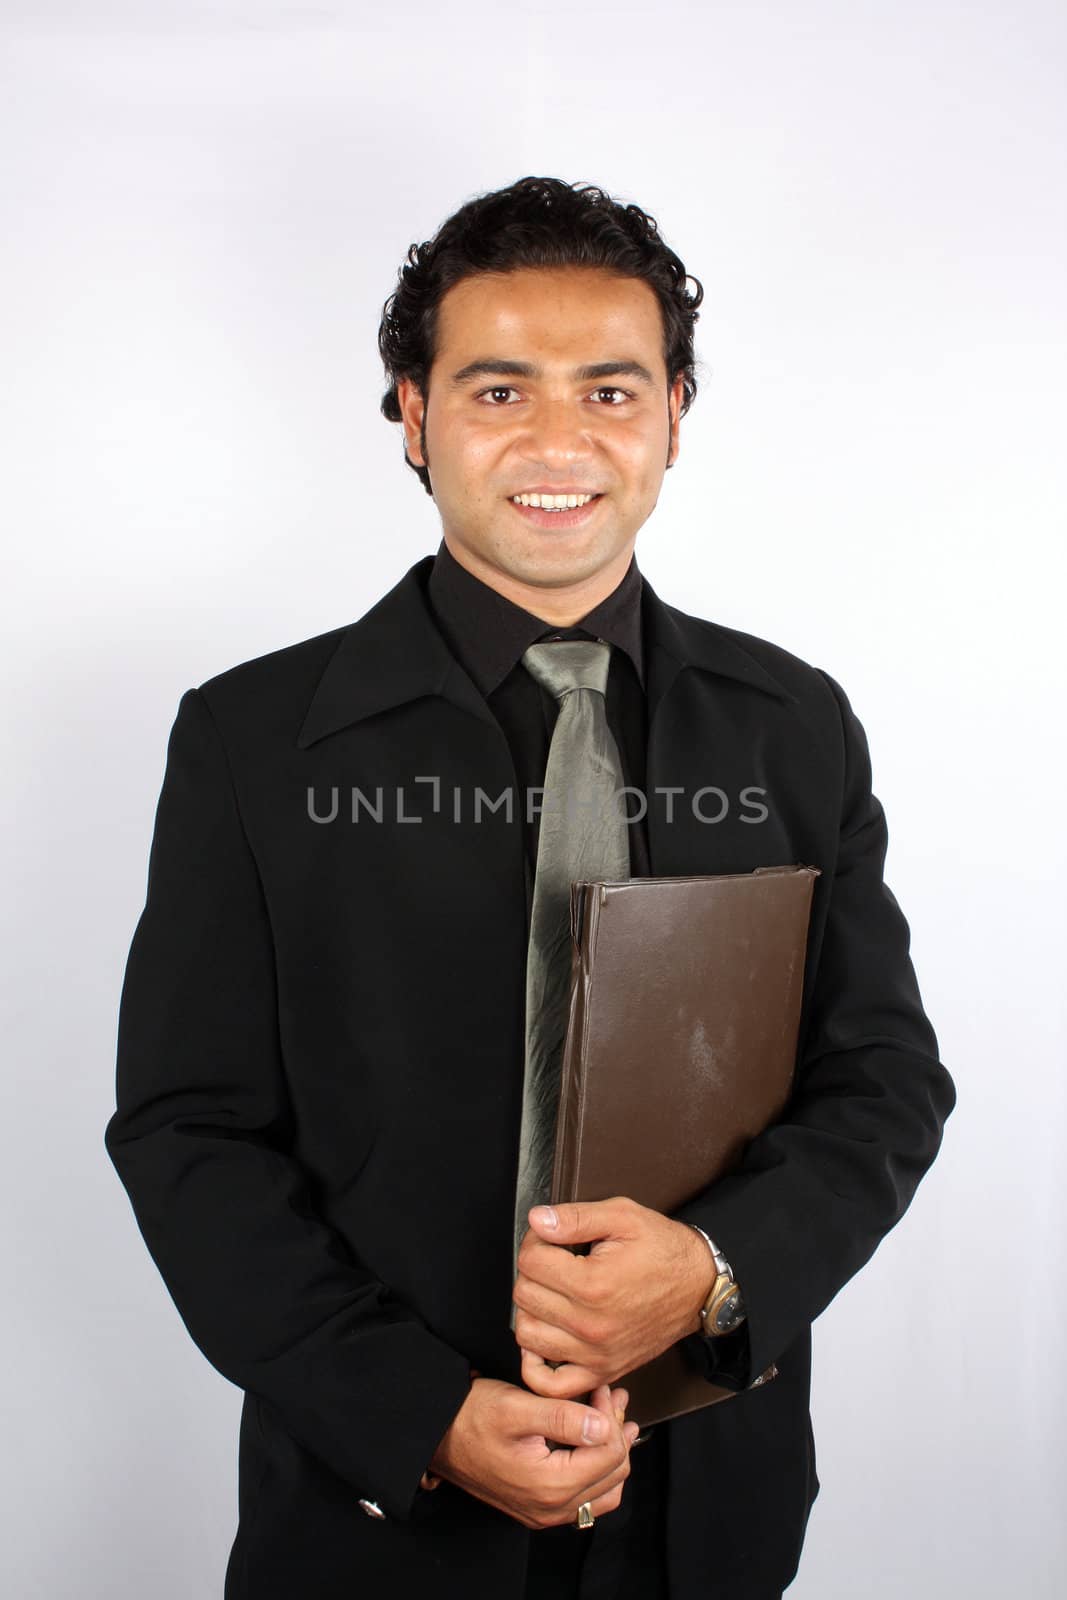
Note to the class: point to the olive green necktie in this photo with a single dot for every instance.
(583, 835)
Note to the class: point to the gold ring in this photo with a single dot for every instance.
(585, 1515)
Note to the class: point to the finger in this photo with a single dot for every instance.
(552, 1342)
(548, 1304)
(619, 1401)
(606, 1484)
(564, 1476)
(593, 1469)
(590, 1484)
(600, 1397)
(600, 1505)
(552, 1267)
(588, 1467)
(604, 1504)
(563, 1383)
(583, 1474)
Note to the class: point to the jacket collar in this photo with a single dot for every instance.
(396, 653)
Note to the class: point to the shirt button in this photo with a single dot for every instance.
(373, 1509)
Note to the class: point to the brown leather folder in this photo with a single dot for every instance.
(681, 1047)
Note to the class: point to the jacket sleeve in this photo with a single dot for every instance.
(816, 1192)
(201, 1138)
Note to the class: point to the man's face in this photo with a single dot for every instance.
(551, 427)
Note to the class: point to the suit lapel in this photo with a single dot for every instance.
(392, 655)
(395, 653)
(709, 703)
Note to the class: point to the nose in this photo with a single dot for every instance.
(557, 434)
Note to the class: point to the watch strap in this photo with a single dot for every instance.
(724, 1286)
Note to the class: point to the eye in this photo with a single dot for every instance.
(498, 389)
(610, 389)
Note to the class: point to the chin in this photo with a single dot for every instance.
(558, 567)
(583, 552)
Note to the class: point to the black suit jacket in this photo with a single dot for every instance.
(319, 1083)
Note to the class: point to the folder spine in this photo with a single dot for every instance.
(586, 901)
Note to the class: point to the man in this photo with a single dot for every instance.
(323, 1026)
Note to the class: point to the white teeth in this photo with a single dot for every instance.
(553, 502)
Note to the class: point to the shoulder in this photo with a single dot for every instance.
(793, 691)
(761, 662)
(296, 663)
(268, 694)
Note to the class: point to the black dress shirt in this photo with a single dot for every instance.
(489, 633)
(622, 1557)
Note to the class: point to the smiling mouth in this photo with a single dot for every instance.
(565, 508)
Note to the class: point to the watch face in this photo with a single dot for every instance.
(731, 1313)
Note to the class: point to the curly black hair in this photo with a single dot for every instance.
(535, 222)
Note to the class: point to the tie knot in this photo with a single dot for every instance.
(564, 664)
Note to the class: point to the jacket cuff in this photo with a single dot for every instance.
(725, 1360)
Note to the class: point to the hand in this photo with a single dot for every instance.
(637, 1292)
(497, 1448)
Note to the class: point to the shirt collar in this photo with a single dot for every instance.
(489, 632)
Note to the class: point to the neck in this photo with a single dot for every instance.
(561, 604)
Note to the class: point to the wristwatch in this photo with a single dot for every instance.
(724, 1309)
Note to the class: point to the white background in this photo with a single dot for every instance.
(203, 209)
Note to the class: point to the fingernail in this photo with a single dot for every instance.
(594, 1429)
(546, 1216)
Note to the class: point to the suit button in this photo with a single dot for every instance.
(373, 1509)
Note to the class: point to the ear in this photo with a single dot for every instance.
(674, 410)
(412, 411)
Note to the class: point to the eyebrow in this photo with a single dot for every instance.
(496, 366)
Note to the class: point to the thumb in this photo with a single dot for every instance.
(572, 1223)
